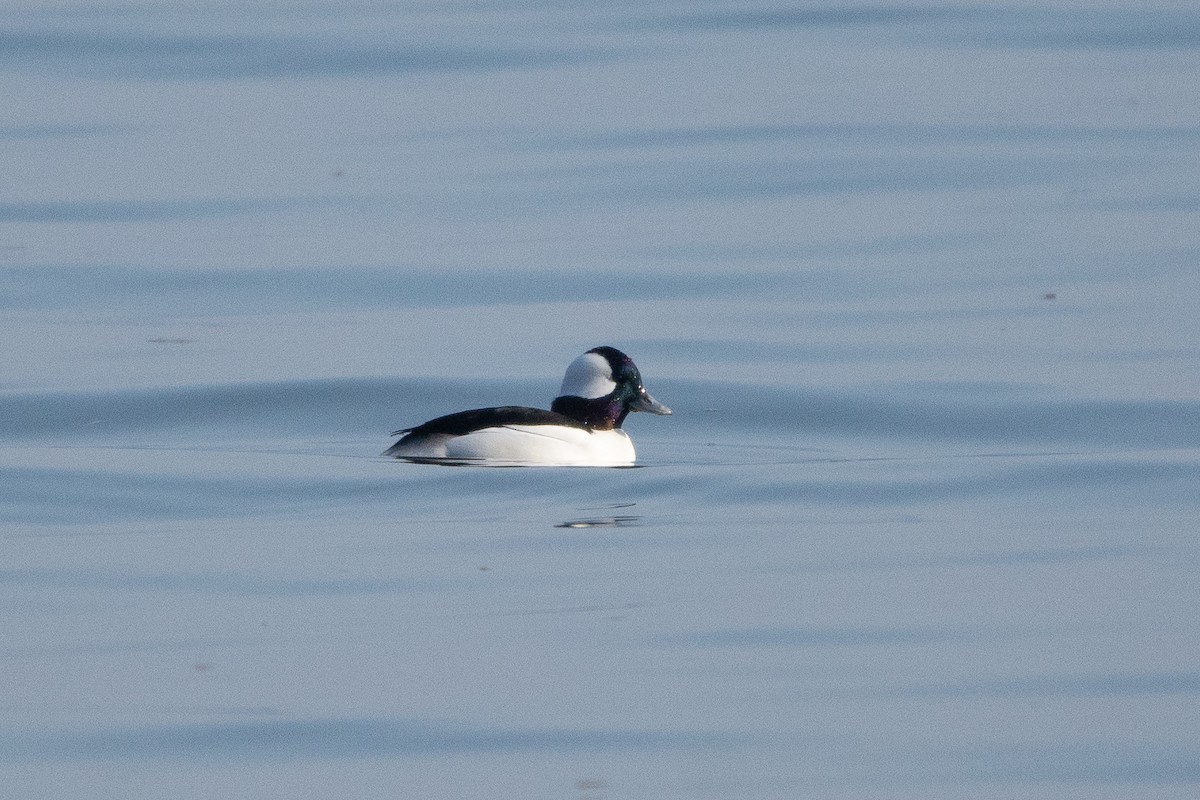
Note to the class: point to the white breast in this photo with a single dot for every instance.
(548, 445)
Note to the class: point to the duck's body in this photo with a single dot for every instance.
(514, 434)
(582, 427)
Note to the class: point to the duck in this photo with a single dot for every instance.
(581, 429)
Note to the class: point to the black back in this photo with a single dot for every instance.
(463, 422)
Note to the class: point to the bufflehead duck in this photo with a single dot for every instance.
(581, 429)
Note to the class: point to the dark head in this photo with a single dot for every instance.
(601, 387)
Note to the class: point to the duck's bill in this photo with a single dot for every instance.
(645, 402)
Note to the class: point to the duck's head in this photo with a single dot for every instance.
(601, 387)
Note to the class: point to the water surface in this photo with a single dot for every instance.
(918, 281)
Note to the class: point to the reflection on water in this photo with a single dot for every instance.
(918, 282)
(600, 522)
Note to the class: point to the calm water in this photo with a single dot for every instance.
(920, 283)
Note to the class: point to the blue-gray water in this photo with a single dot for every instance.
(920, 282)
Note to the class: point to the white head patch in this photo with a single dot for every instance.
(589, 377)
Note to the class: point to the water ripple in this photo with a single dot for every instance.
(1083, 685)
(329, 738)
(820, 637)
(150, 55)
(1081, 760)
(985, 415)
(212, 583)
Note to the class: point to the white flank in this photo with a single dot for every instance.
(542, 445)
(589, 376)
